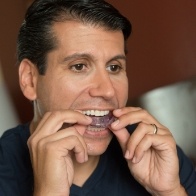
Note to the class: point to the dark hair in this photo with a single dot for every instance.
(36, 38)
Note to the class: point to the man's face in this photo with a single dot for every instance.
(87, 71)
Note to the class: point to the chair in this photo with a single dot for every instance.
(175, 107)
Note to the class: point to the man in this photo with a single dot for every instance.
(72, 57)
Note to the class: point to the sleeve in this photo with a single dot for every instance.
(187, 173)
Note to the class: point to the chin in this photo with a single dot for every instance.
(97, 147)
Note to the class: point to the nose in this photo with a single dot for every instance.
(102, 86)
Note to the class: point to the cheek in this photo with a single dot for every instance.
(54, 95)
(67, 93)
(121, 88)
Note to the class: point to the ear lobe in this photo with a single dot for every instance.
(28, 79)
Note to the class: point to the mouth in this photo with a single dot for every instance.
(101, 119)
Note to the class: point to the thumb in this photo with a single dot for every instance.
(122, 136)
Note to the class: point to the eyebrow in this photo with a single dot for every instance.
(118, 57)
(87, 55)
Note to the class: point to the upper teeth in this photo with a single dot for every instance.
(95, 112)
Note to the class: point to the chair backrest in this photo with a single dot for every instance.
(175, 107)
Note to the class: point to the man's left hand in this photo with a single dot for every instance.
(150, 151)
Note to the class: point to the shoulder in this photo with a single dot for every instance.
(21, 131)
(15, 166)
(15, 139)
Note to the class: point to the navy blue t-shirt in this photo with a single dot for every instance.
(111, 177)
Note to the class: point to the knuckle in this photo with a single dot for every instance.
(141, 125)
(31, 142)
(40, 143)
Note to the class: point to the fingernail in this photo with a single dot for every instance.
(115, 123)
(118, 110)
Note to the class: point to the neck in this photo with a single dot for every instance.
(36, 118)
(83, 171)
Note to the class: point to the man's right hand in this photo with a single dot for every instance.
(52, 151)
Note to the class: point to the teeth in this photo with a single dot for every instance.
(95, 129)
(96, 112)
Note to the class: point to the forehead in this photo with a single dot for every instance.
(72, 35)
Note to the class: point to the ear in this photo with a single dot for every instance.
(28, 75)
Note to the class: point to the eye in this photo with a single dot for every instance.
(78, 67)
(114, 68)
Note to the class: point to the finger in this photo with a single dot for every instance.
(55, 120)
(61, 148)
(65, 133)
(125, 110)
(57, 136)
(122, 136)
(143, 130)
(43, 120)
(128, 116)
(159, 143)
(78, 147)
(135, 138)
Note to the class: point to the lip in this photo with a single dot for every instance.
(104, 133)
